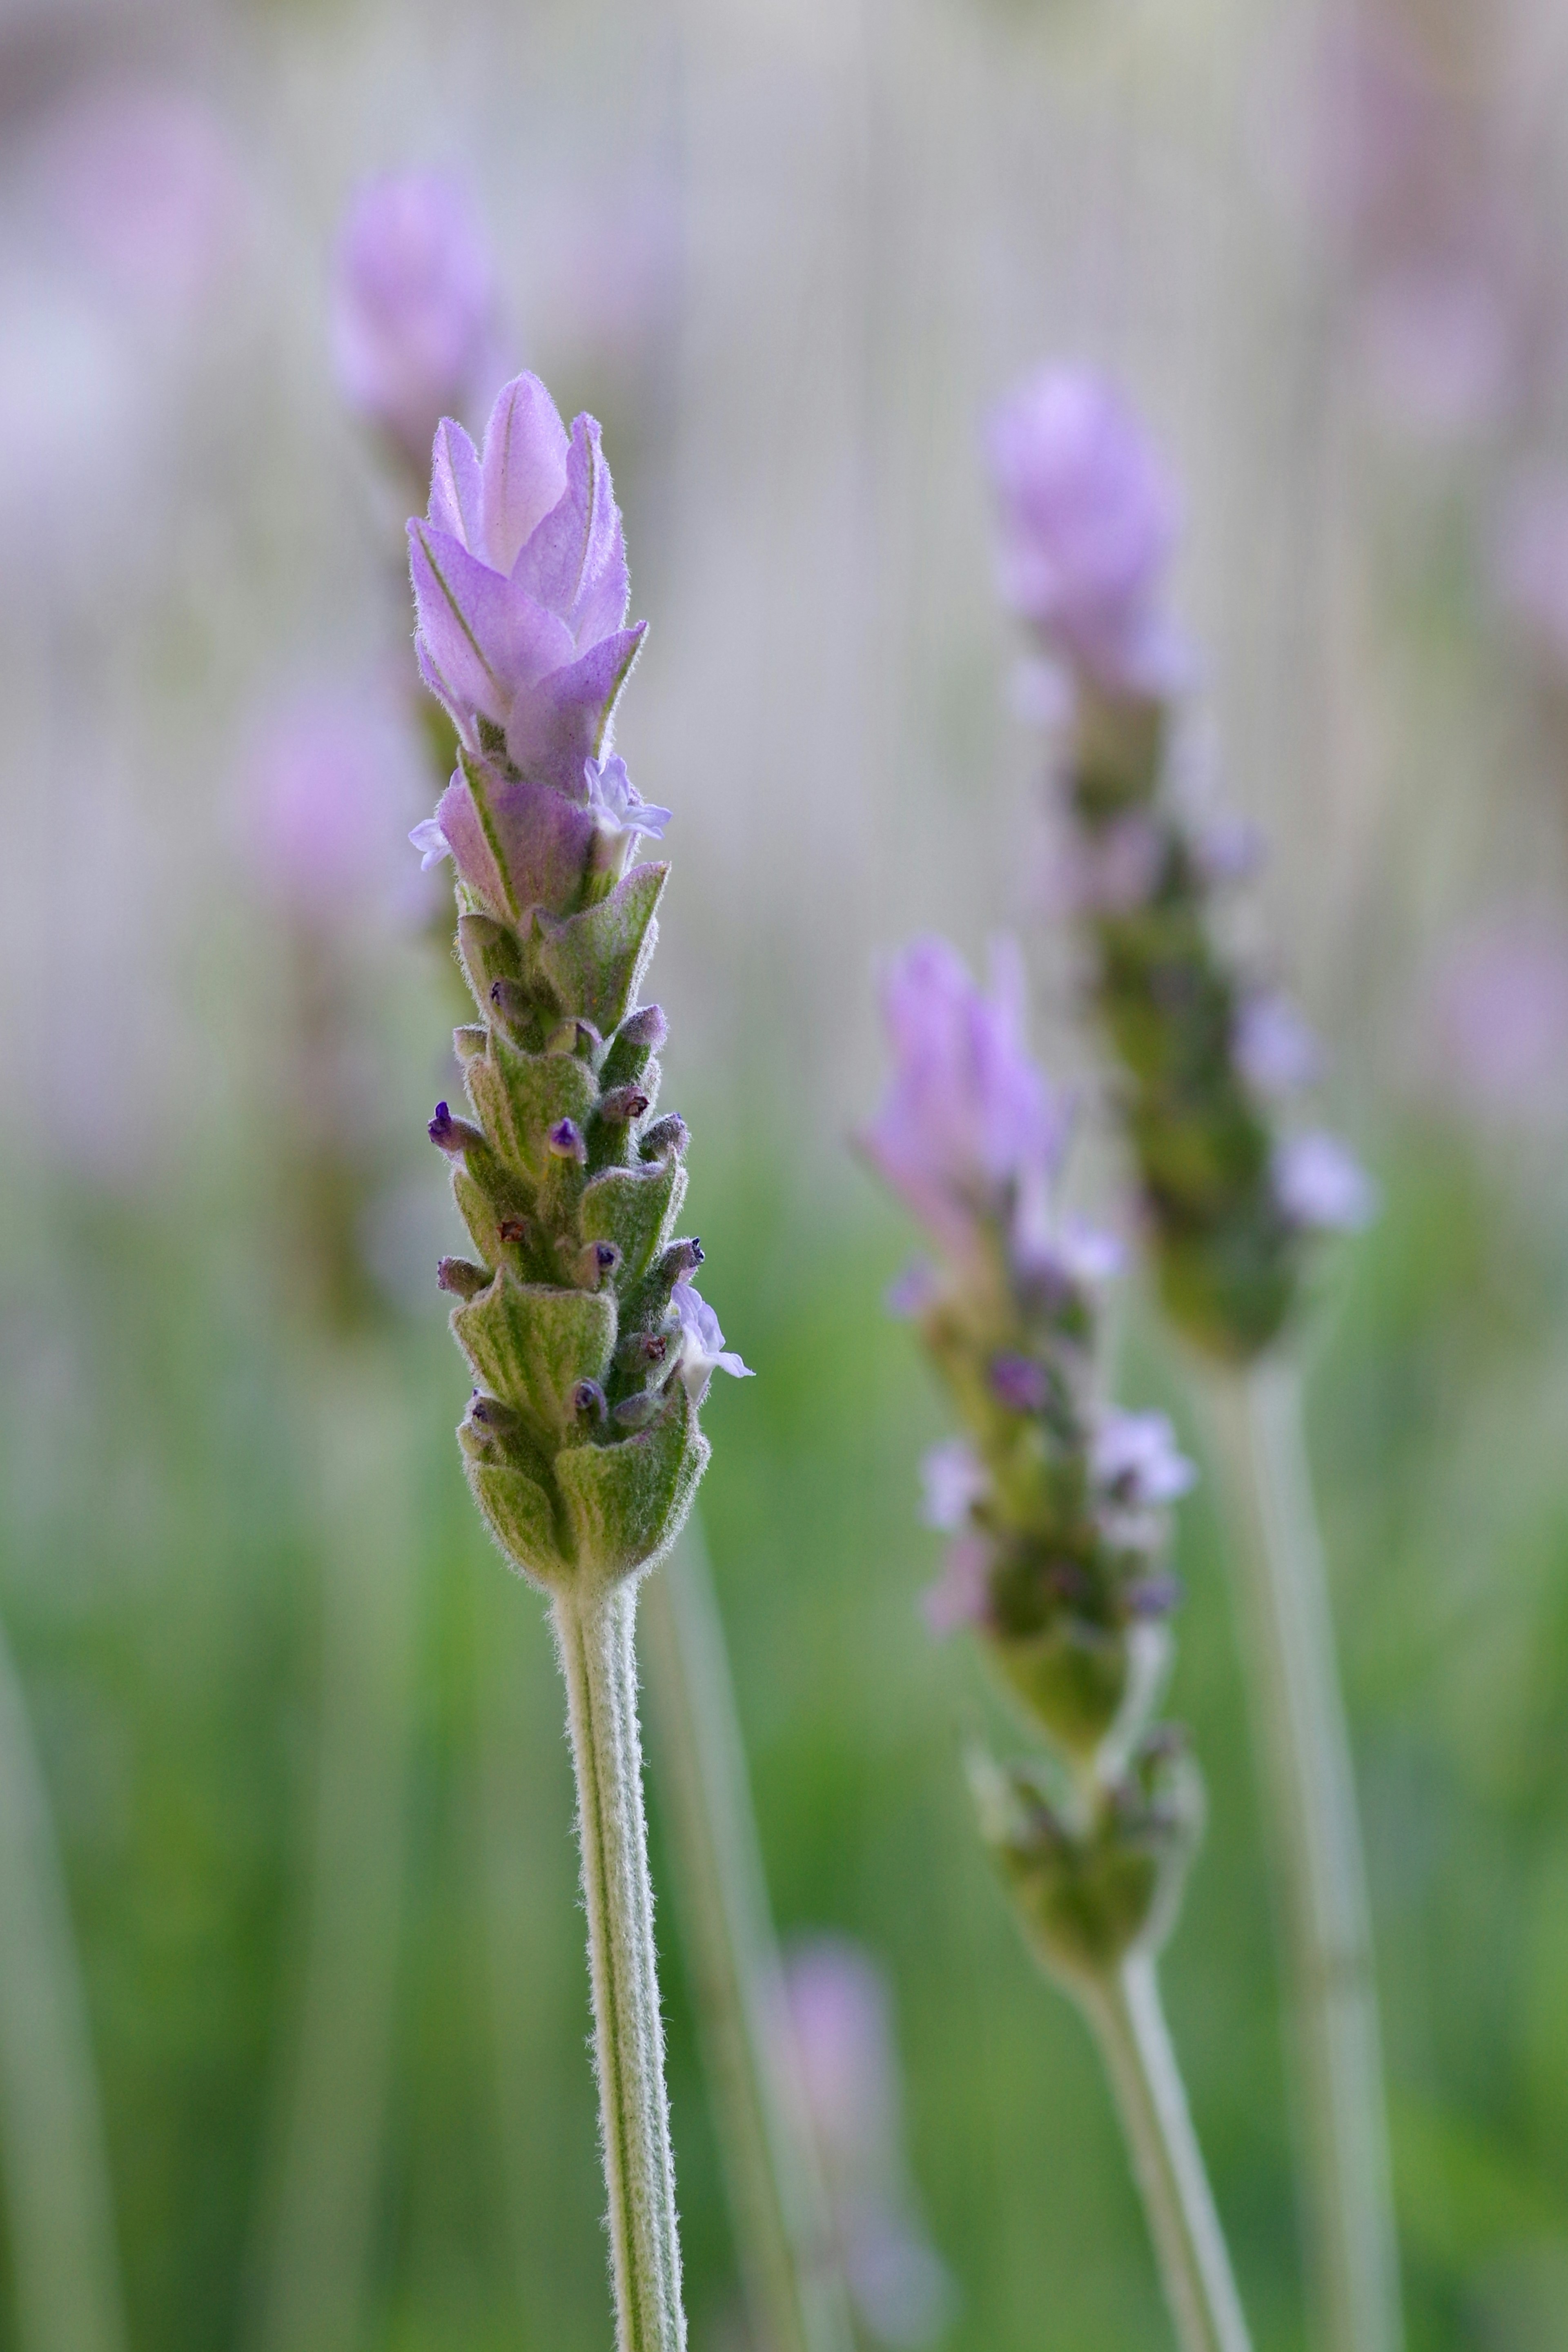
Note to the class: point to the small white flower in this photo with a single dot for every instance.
(703, 1349)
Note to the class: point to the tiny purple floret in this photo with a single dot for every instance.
(703, 1349)
(1321, 1185)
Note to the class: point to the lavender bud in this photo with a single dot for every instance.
(670, 1134)
(566, 1141)
(1020, 1384)
(453, 1136)
(647, 1027)
(595, 1263)
(588, 1396)
(461, 1277)
(622, 1105)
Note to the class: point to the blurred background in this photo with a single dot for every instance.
(289, 1929)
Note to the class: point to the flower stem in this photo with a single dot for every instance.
(778, 2208)
(593, 1632)
(1299, 1726)
(1123, 2008)
(61, 2236)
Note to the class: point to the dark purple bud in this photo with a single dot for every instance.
(595, 1262)
(623, 1104)
(646, 1029)
(1154, 1596)
(1020, 1384)
(589, 1397)
(566, 1141)
(681, 1262)
(454, 1136)
(652, 1346)
(461, 1277)
(671, 1134)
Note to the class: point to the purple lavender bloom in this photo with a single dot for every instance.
(325, 780)
(954, 1479)
(962, 1593)
(1275, 1050)
(1530, 559)
(1135, 1459)
(1320, 1184)
(413, 306)
(970, 1129)
(618, 807)
(838, 2031)
(703, 1349)
(520, 578)
(1500, 1017)
(1087, 523)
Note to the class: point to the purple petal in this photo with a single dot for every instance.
(546, 842)
(462, 829)
(575, 562)
(562, 721)
(962, 1593)
(1321, 1184)
(457, 490)
(486, 639)
(431, 842)
(524, 467)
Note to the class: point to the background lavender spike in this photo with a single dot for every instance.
(1056, 1503)
(1230, 1206)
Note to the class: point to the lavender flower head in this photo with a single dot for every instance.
(1087, 522)
(413, 307)
(970, 1134)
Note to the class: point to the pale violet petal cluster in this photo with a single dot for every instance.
(413, 307)
(618, 806)
(969, 1132)
(520, 581)
(1321, 1185)
(1087, 524)
(703, 1349)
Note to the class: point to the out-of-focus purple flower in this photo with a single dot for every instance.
(1229, 849)
(953, 1479)
(838, 2031)
(325, 784)
(1320, 1184)
(703, 1349)
(1134, 1456)
(1530, 558)
(1111, 872)
(912, 1292)
(1275, 1050)
(1498, 1014)
(1438, 341)
(962, 1593)
(520, 578)
(413, 328)
(1087, 521)
(969, 1129)
(143, 178)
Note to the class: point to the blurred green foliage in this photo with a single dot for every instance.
(163, 1585)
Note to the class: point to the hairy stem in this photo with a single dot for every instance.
(1194, 2267)
(795, 2293)
(1299, 1726)
(64, 2262)
(593, 1630)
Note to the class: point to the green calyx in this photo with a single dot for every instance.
(581, 1440)
(1095, 1869)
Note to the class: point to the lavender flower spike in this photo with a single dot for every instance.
(591, 1351)
(1058, 1508)
(1088, 523)
(413, 303)
(969, 1132)
(520, 581)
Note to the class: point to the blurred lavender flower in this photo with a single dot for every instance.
(143, 178)
(1322, 1185)
(1498, 1011)
(1087, 523)
(1528, 558)
(1135, 1458)
(413, 317)
(836, 2014)
(954, 1479)
(970, 1132)
(1276, 1052)
(324, 782)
